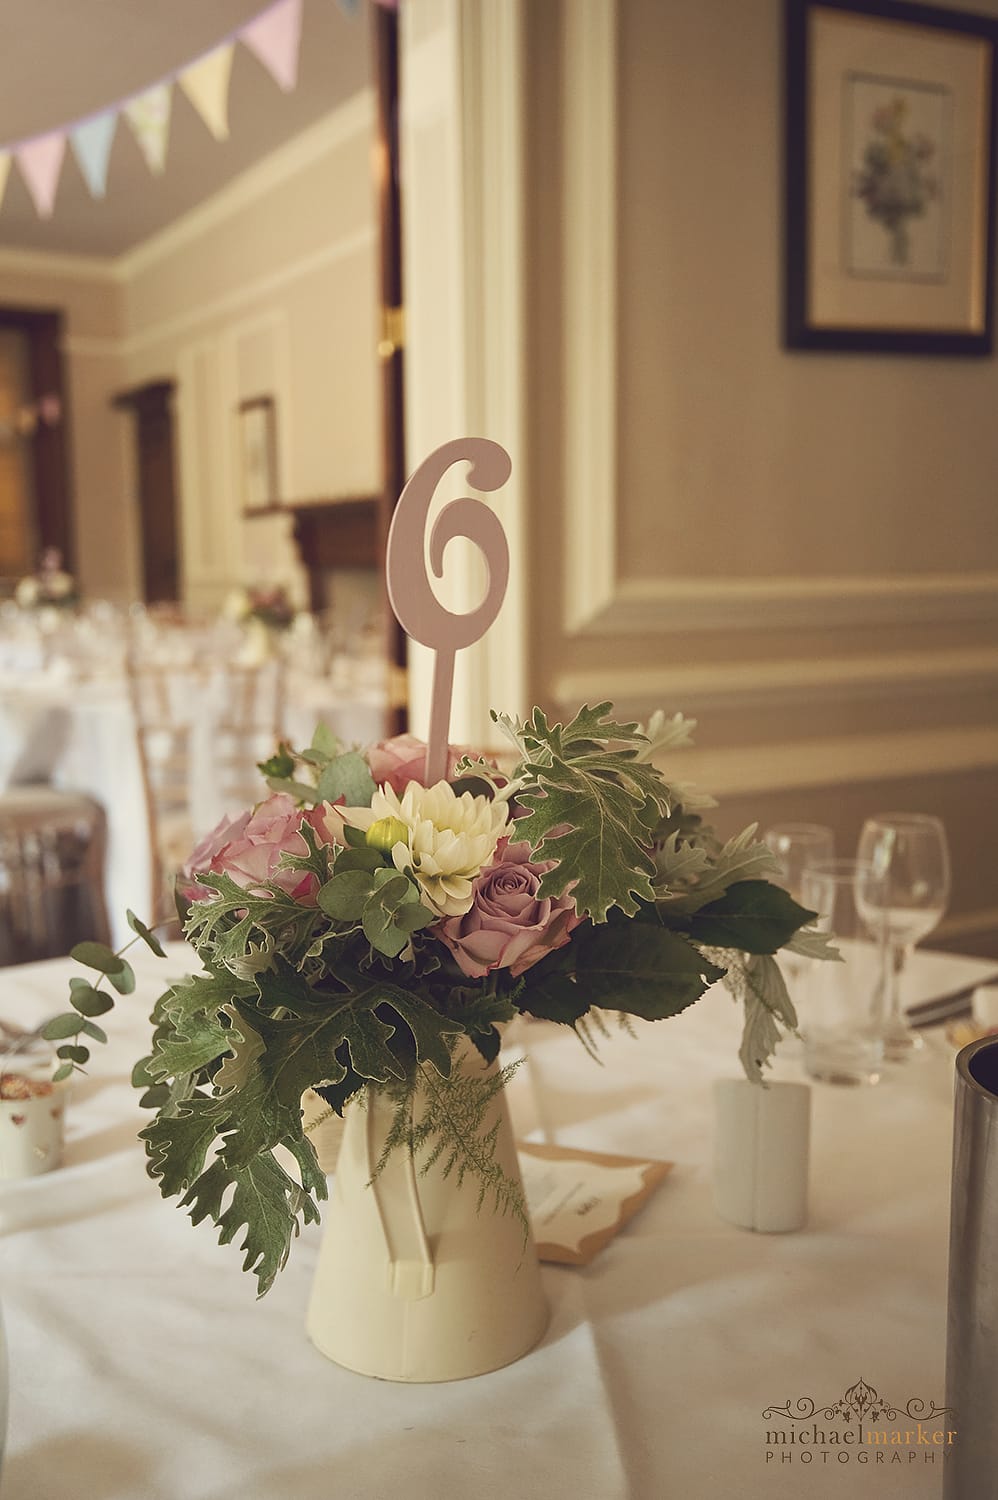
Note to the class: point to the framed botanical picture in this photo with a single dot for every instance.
(890, 121)
(258, 453)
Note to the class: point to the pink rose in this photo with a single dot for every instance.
(508, 926)
(249, 849)
(403, 759)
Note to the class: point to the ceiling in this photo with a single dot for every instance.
(61, 60)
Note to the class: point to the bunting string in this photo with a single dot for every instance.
(274, 39)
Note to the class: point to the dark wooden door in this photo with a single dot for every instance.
(152, 409)
(50, 458)
(390, 349)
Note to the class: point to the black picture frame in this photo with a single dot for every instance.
(837, 294)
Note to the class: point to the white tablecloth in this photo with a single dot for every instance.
(82, 736)
(142, 1368)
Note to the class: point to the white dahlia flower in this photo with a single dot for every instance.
(445, 839)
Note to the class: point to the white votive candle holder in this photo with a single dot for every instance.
(761, 1151)
(32, 1126)
(984, 1006)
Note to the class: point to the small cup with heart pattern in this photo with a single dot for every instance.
(32, 1116)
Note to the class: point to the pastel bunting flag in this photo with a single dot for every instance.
(206, 84)
(4, 172)
(275, 39)
(92, 145)
(149, 116)
(40, 162)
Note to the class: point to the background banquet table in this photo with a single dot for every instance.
(143, 1368)
(79, 733)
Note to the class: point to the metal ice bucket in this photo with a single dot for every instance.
(971, 1471)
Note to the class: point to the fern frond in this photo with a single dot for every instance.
(451, 1130)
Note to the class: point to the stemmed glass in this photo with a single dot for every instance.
(798, 848)
(904, 901)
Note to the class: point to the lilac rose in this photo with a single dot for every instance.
(509, 926)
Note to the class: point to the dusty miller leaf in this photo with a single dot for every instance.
(759, 985)
(591, 808)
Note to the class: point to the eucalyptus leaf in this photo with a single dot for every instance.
(149, 938)
(348, 777)
(325, 741)
(62, 1026)
(89, 1001)
(72, 1053)
(97, 956)
(123, 979)
(62, 1072)
(344, 896)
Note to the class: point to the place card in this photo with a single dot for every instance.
(579, 1200)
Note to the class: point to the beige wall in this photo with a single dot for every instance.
(800, 549)
(267, 289)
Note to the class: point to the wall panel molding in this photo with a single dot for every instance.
(836, 761)
(782, 682)
(590, 309)
(598, 599)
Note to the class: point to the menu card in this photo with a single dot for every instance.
(578, 1200)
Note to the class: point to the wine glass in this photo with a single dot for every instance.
(798, 847)
(905, 901)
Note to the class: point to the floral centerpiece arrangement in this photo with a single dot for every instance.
(50, 588)
(357, 926)
(268, 606)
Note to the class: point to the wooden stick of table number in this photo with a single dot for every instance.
(416, 606)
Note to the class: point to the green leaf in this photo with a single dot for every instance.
(764, 994)
(428, 1027)
(200, 994)
(347, 776)
(810, 943)
(155, 1097)
(88, 1001)
(299, 790)
(123, 979)
(63, 1071)
(198, 1041)
(752, 915)
(640, 968)
(359, 859)
(368, 1050)
(149, 938)
(281, 764)
(96, 1033)
(97, 956)
(73, 1054)
(265, 1201)
(69, 1024)
(176, 1145)
(141, 1077)
(557, 998)
(741, 858)
(325, 741)
(344, 896)
(590, 809)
